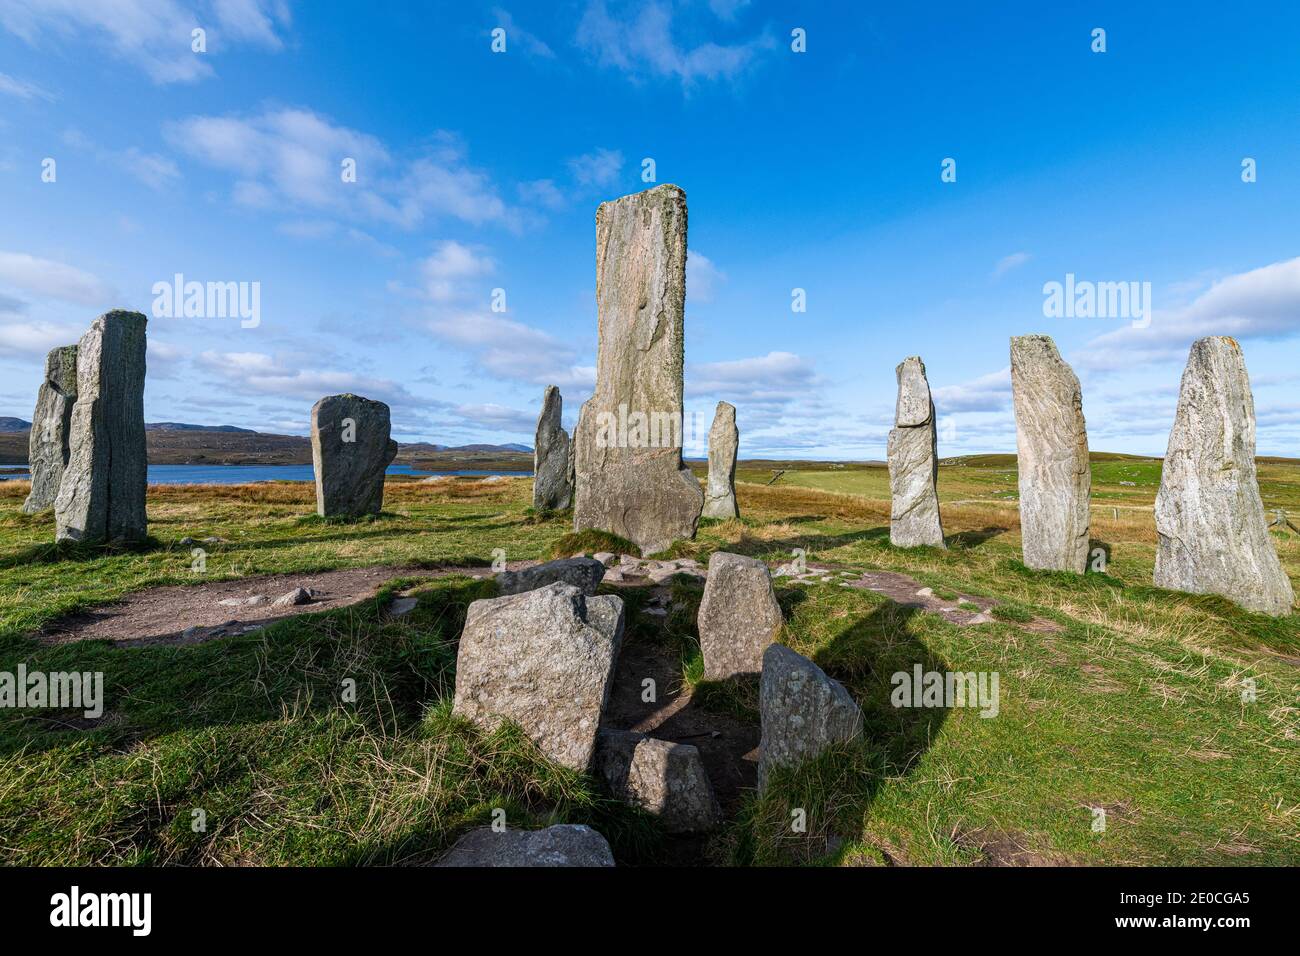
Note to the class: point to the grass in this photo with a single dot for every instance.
(1133, 705)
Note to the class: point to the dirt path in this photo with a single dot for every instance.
(190, 614)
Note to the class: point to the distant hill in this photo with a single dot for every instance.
(14, 425)
(182, 427)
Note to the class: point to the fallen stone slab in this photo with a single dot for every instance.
(1210, 524)
(543, 659)
(739, 616)
(564, 844)
(802, 711)
(661, 777)
(583, 573)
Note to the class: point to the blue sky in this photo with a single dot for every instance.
(817, 170)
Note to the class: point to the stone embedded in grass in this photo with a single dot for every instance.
(739, 616)
(350, 451)
(724, 442)
(102, 491)
(629, 475)
(802, 711)
(914, 462)
(1052, 456)
(1210, 523)
(402, 606)
(552, 487)
(661, 777)
(48, 441)
(545, 660)
(583, 573)
(293, 598)
(564, 844)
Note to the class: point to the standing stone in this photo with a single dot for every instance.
(630, 479)
(102, 493)
(663, 778)
(1210, 523)
(739, 616)
(724, 442)
(802, 711)
(350, 453)
(47, 444)
(914, 462)
(552, 486)
(545, 660)
(1052, 445)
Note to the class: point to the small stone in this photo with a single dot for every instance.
(560, 845)
(739, 616)
(663, 778)
(402, 606)
(582, 572)
(607, 558)
(613, 576)
(925, 593)
(802, 711)
(295, 597)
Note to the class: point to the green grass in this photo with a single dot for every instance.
(1133, 705)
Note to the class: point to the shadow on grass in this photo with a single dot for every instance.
(57, 552)
(968, 540)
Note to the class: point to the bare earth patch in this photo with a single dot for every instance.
(190, 614)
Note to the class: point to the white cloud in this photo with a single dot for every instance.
(599, 168)
(287, 376)
(450, 264)
(702, 277)
(154, 35)
(293, 158)
(512, 350)
(23, 337)
(988, 393)
(56, 280)
(1007, 263)
(517, 36)
(12, 86)
(776, 378)
(639, 41)
(541, 192)
(499, 417)
(1262, 303)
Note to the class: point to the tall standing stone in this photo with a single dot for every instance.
(914, 462)
(1212, 533)
(102, 493)
(629, 476)
(1052, 445)
(552, 487)
(47, 445)
(350, 452)
(724, 442)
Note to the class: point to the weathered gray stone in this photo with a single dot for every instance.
(661, 777)
(739, 616)
(545, 660)
(724, 442)
(1210, 523)
(565, 844)
(583, 573)
(802, 711)
(47, 444)
(350, 452)
(102, 493)
(552, 486)
(1052, 445)
(629, 476)
(914, 462)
